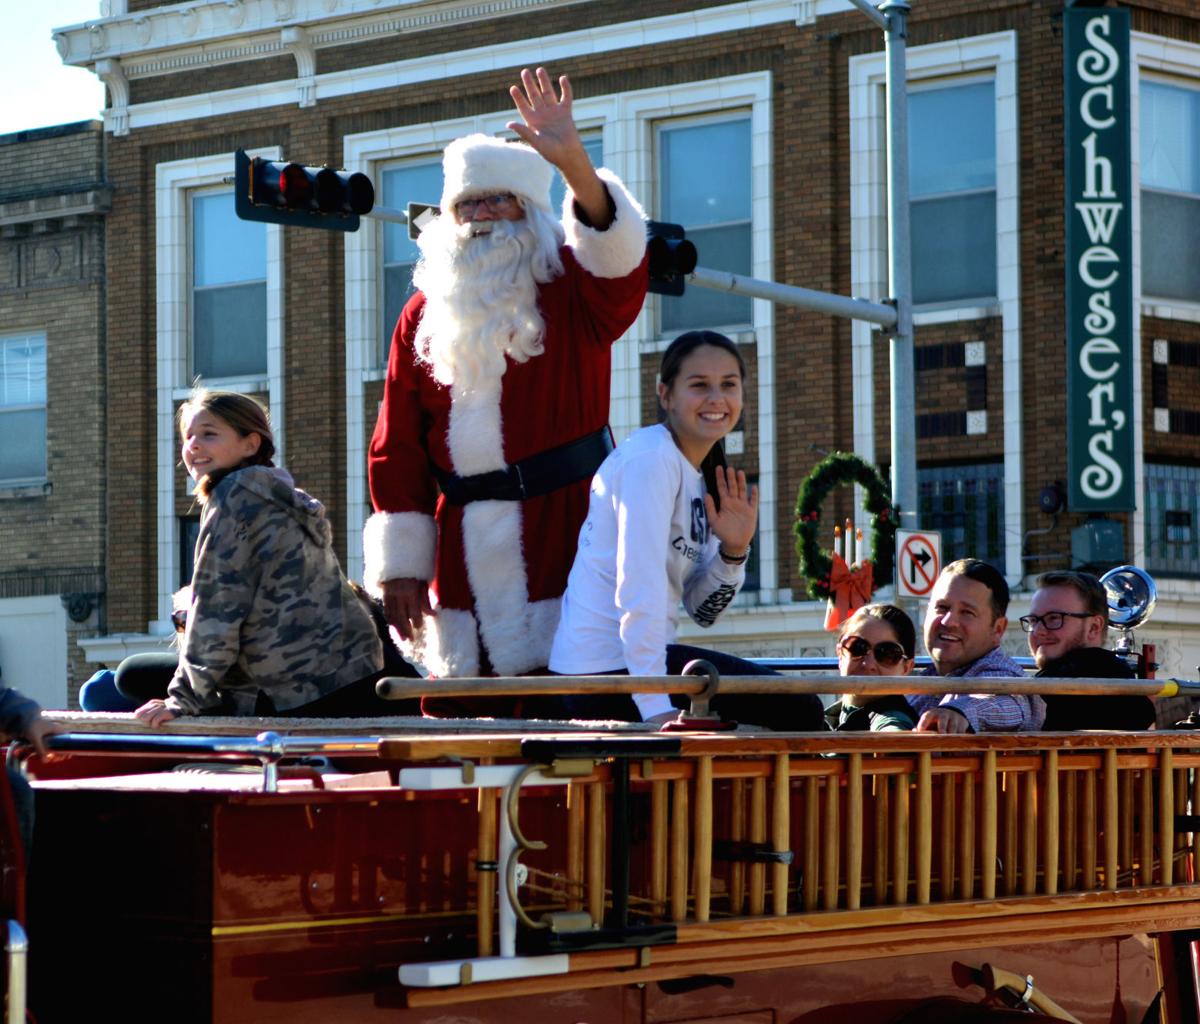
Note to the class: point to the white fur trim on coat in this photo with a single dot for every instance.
(482, 164)
(617, 250)
(397, 545)
(516, 632)
(446, 643)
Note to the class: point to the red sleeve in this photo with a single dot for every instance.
(398, 466)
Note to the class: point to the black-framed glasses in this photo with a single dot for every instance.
(1051, 620)
(888, 652)
(179, 619)
(501, 202)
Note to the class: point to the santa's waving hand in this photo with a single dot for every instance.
(550, 129)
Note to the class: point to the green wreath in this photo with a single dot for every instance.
(833, 471)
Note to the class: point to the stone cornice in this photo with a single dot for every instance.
(55, 207)
(206, 33)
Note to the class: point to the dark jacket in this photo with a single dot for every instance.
(881, 714)
(1117, 712)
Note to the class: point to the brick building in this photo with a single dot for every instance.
(53, 430)
(758, 125)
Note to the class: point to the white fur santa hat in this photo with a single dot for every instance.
(479, 165)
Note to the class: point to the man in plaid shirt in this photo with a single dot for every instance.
(964, 625)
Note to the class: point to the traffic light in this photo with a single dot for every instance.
(308, 197)
(672, 257)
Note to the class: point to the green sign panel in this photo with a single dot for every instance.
(1099, 261)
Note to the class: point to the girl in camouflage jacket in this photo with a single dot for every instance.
(273, 626)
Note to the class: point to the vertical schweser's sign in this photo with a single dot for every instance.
(1099, 261)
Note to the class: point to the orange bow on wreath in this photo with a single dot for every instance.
(851, 589)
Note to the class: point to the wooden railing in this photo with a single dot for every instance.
(826, 834)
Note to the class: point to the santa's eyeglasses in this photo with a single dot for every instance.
(501, 202)
(886, 653)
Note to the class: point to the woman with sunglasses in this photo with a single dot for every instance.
(877, 640)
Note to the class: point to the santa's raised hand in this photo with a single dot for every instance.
(549, 127)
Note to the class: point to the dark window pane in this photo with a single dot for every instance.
(229, 331)
(723, 248)
(23, 444)
(189, 533)
(954, 248)
(1170, 242)
(966, 504)
(1172, 503)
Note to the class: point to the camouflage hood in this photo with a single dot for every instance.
(275, 485)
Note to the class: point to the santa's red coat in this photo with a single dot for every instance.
(498, 568)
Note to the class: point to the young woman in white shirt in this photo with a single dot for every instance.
(668, 521)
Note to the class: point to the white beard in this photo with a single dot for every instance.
(480, 284)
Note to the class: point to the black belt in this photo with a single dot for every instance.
(532, 477)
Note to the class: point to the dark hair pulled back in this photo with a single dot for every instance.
(679, 349)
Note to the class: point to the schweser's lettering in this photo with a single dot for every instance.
(1098, 244)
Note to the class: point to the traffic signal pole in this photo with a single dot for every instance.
(894, 315)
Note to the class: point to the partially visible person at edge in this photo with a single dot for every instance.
(964, 625)
(1067, 621)
(497, 393)
(273, 627)
(668, 521)
(877, 640)
(21, 719)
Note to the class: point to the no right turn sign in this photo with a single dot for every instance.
(918, 561)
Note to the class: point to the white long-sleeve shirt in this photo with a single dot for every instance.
(644, 546)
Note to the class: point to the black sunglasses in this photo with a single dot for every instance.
(886, 653)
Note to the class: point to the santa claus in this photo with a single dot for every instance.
(495, 408)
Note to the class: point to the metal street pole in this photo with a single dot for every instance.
(903, 394)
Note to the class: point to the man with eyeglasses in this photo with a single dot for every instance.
(1067, 622)
(964, 625)
(495, 407)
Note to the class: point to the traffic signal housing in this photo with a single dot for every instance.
(280, 192)
(672, 257)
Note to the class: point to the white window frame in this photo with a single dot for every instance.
(174, 183)
(19, 484)
(1175, 63)
(1173, 59)
(996, 55)
(626, 122)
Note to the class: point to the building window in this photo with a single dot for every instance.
(1172, 505)
(966, 504)
(952, 161)
(418, 181)
(704, 170)
(1170, 170)
(189, 533)
(229, 290)
(23, 408)
(593, 142)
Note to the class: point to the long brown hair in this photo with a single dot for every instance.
(679, 349)
(245, 415)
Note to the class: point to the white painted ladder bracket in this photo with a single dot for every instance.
(507, 964)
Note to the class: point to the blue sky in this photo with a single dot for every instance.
(41, 90)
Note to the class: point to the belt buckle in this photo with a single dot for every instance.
(520, 481)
